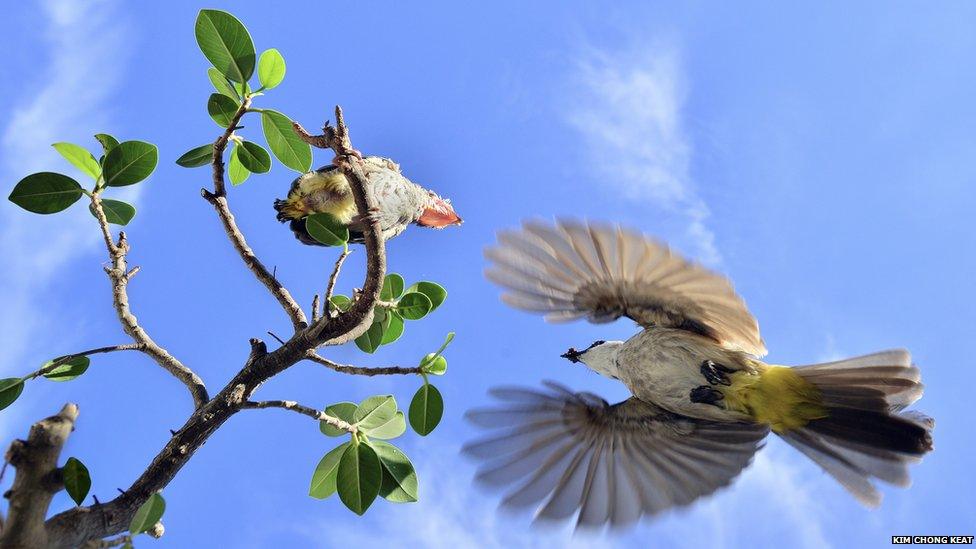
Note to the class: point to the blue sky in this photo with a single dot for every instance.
(820, 156)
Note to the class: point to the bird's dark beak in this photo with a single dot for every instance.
(572, 355)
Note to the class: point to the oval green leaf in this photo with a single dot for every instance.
(222, 109)
(371, 338)
(148, 514)
(391, 429)
(68, 370)
(287, 147)
(129, 162)
(196, 157)
(271, 68)
(341, 410)
(426, 409)
(77, 480)
(413, 306)
(254, 157)
(326, 472)
(393, 330)
(399, 483)
(107, 141)
(116, 211)
(392, 287)
(237, 172)
(45, 192)
(341, 302)
(326, 229)
(226, 43)
(375, 411)
(221, 84)
(10, 389)
(434, 291)
(359, 477)
(79, 158)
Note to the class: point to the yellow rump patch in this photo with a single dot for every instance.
(778, 397)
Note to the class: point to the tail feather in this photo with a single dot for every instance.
(865, 435)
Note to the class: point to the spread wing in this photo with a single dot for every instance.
(572, 270)
(562, 451)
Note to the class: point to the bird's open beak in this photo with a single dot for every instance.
(572, 355)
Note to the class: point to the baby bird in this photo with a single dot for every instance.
(399, 201)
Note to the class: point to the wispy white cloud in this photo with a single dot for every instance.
(629, 114)
(65, 101)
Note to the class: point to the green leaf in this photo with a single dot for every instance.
(68, 370)
(226, 43)
(434, 291)
(426, 409)
(391, 429)
(129, 162)
(77, 481)
(341, 410)
(359, 477)
(393, 330)
(107, 141)
(392, 287)
(399, 477)
(222, 109)
(222, 85)
(341, 302)
(326, 472)
(79, 158)
(46, 192)
(287, 147)
(271, 68)
(148, 514)
(116, 211)
(414, 306)
(326, 229)
(375, 411)
(254, 157)
(435, 364)
(237, 172)
(430, 357)
(371, 339)
(196, 157)
(10, 389)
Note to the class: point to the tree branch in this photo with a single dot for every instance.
(361, 370)
(38, 479)
(66, 358)
(118, 275)
(218, 198)
(305, 410)
(335, 277)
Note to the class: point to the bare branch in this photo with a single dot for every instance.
(296, 407)
(38, 479)
(117, 274)
(218, 198)
(334, 277)
(361, 370)
(315, 308)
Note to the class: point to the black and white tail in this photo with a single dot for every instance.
(866, 433)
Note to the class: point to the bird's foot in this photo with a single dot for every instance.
(344, 157)
(716, 374)
(706, 395)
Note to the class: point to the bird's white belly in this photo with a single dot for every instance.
(662, 366)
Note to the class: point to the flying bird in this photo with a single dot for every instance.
(702, 400)
(400, 201)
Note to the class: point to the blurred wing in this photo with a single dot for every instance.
(574, 270)
(562, 451)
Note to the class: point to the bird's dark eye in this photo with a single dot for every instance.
(597, 342)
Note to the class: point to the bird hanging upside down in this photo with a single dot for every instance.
(702, 400)
(399, 201)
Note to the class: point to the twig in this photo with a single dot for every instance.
(130, 325)
(315, 308)
(335, 276)
(218, 198)
(272, 334)
(66, 358)
(296, 407)
(361, 370)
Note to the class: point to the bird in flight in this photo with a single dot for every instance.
(702, 402)
(400, 201)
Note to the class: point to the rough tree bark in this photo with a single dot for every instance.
(38, 477)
